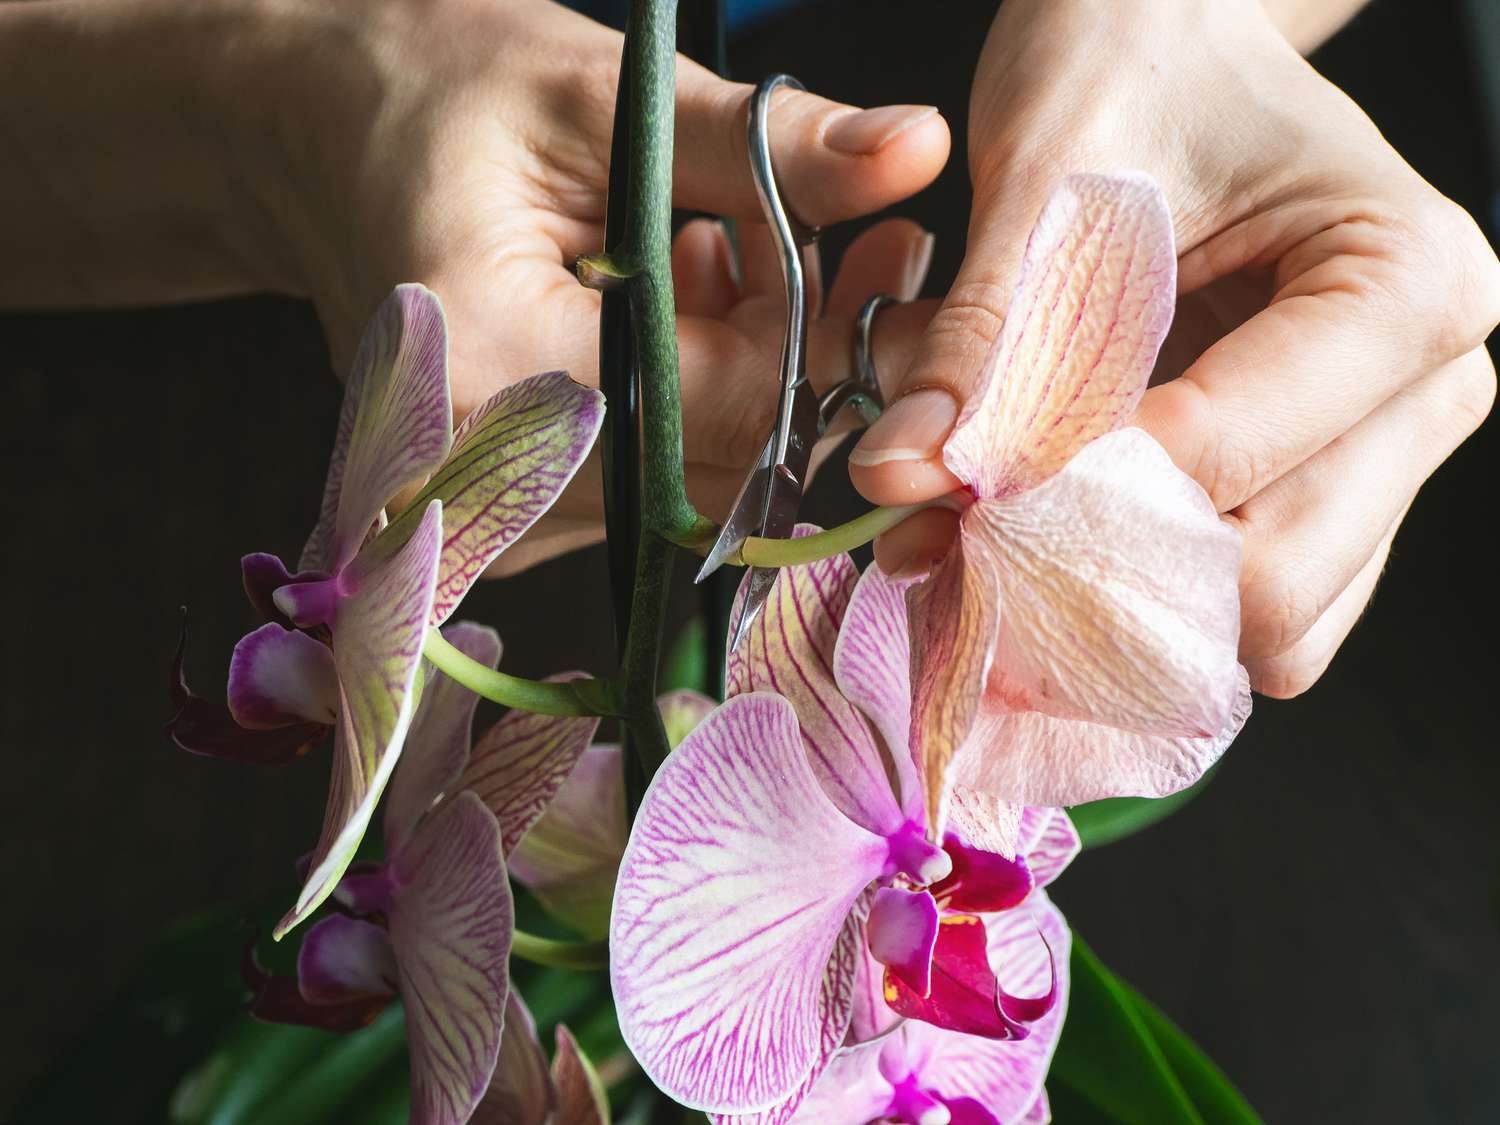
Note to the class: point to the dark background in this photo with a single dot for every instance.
(1324, 920)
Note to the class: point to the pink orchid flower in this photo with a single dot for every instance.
(344, 646)
(432, 923)
(739, 923)
(919, 1074)
(1079, 640)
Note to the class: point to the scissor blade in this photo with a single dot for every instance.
(746, 517)
(757, 589)
(781, 520)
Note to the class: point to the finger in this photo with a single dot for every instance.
(891, 257)
(833, 162)
(703, 270)
(1348, 330)
(1310, 532)
(910, 548)
(1292, 672)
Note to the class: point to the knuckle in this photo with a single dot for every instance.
(1464, 304)
(1280, 605)
(1473, 392)
(1236, 469)
(1286, 677)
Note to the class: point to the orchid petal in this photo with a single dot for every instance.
(1049, 842)
(850, 1091)
(275, 998)
(581, 1099)
(902, 929)
(521, 1090)
(1048, 761)
(377, 647)
(345, 958)
(872, 1016)
(512, 457)
(1040, 1112)
(1121, 591)
(279, 676)
(394, 428)
(735, 886)
(966, 1111)
(954, 616)
(451, 921)
(789, 650)
(682, 711)
(571, 856)
(437, 745)
(982, 881)
(1092, 304)
(872, 665)
(980, 819)
(522, 761)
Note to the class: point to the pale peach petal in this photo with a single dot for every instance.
(1121, 595)
(1091, 307)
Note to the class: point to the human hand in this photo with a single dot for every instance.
(466, 145)
(1328, 348)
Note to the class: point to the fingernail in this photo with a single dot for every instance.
(864, 132)
(913, 428)
(918, 262)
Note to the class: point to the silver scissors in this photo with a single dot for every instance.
(768, 500)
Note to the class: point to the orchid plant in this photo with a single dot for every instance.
(823, 899)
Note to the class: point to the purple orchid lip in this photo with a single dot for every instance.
(982, 882)
(278, 999)
(901, 932)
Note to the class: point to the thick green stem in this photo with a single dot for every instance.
(567, 954)
(643, 652)
(756, 551)
(565, 698)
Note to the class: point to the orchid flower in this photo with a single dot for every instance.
(432, 923)
(525, 1091)
(919, 1074)
(739, 922)
(344, 643)
(1079, 641)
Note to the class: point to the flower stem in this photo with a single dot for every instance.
(544, 697)
(567, 954)
(756, 551)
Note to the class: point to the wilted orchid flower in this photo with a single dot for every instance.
(1079, 641)
(432, 923)
(365, 593)
(739, 916)
(918, 1074)
(525, 1091)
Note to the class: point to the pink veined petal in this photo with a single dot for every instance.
(954, 617)
(278, 677)
(512, 457)
(1048, 761)
(872, 1017)
(437, 746)
(1049, 842)
(1040, 1112)
(1005, 1076)
(681, 712)
(451, 923)
(581, 1099)
(1121, 591)
(979, 818)
(735, 887)
(377, 647)
(789, 650)
(345, 958)
(395, 427)
(850, 1091)
(571, 856)
(872, 666)
(520, 1090)
(522, 761)
(1092, 305)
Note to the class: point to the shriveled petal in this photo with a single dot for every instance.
(789, 650)
(1004, 1076)
(850, 1091)
(451, 922)
(1092, 305)
(437, 746)
(581, 1099)
(681, 711)
(872, 666)
(737, 881)
(902, 929)
(399, 422)
(1048, 761)
(954, 617)
(1049, 842)
(1121, 592)
(345, 958)
(377, 647)
(571, 856)
(979, 818)
(279, 676)
(511, 459)
(521, 1090)
(522, 761)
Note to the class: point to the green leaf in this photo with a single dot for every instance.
(1120, 1060)
(686, 662)
(341, 1073)
(1104, 822)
